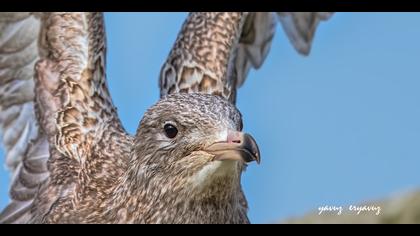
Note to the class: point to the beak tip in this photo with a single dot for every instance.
(251, 145)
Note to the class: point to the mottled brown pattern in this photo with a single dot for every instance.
(215, 51)
(224, 46)
(166, 194)
(201, 54)
(94, 175)
(100, 174)
(207, 83)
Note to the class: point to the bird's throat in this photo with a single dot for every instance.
(217, 198)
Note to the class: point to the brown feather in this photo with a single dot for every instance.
(198, 61)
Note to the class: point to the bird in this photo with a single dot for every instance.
(77, 164)
(197, 63)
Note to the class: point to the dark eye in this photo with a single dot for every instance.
(170, 131)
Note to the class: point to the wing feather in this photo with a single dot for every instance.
(258, 33)
(18, 53)
(300, 27)
(71, 88)
(198, 61)
(214, 52)
(25, 147)
(254, 44)
(68, 105)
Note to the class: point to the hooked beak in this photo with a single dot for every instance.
(238, 146)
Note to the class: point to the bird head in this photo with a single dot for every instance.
(193, 141)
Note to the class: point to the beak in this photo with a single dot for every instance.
(238, 146)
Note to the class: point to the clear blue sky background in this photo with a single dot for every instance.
(338, 127)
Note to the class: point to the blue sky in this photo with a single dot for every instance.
(338, 127)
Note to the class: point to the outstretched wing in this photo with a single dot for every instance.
(71, 82)
(71, 103)
(25, 147)
(258, 33)
(214, 51)
(198, 61)
(18, 54)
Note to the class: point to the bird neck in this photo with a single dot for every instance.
(165, 201)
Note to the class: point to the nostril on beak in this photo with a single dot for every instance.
(234, 137)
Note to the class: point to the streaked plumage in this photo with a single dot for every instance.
(91, 167)
(199, 59)
(96, 172)
(219, 48)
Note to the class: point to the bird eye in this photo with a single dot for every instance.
(170, 131)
